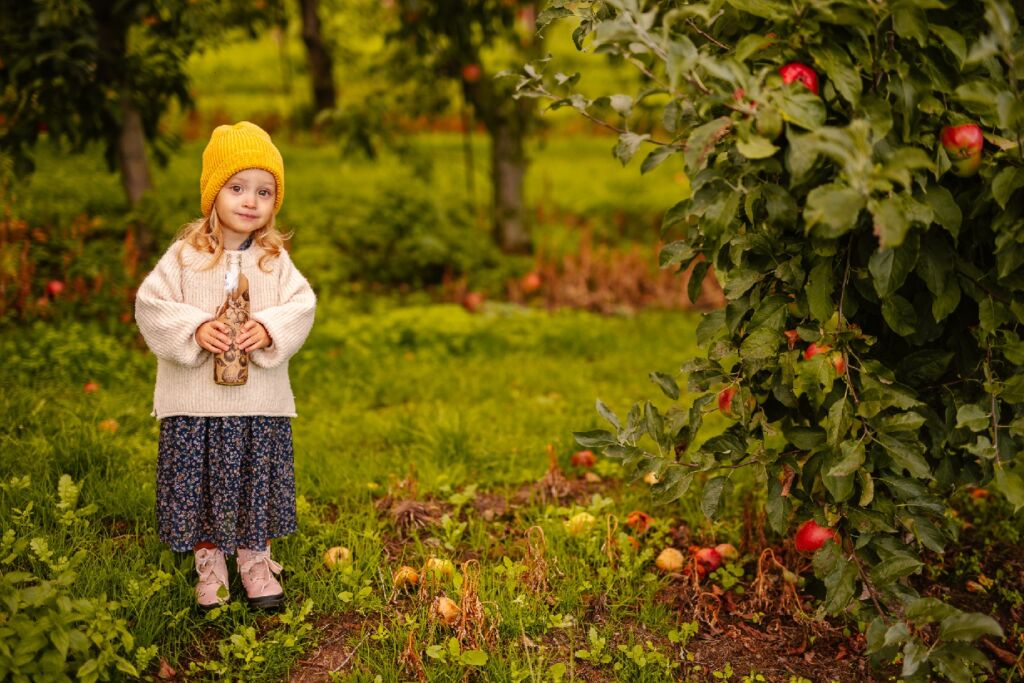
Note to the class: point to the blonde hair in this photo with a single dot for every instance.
(205, 235)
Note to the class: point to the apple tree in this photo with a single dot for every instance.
(858, 189)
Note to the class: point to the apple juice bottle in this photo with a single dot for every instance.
(231, 367)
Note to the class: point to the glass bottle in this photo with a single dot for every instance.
(231, 367)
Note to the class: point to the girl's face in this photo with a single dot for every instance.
(245, 204)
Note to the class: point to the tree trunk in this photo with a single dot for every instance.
(321, 70)
(131, 154)
(508, 169)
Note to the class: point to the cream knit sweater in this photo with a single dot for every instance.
(177, 297)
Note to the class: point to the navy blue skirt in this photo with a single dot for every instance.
(226, 480)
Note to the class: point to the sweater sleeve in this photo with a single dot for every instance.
(167, 323)
(289, 322)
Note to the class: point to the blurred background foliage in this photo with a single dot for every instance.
(410, 169)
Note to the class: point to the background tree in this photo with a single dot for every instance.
(87, 71)
(857, 178)
(321, 65)
(463, 42)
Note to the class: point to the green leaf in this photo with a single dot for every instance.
(899, 315)
(834, 209)
(819, 291)
(667, 384)
(761, 344)
(657, 156)
(895, 567)
(702, 142)
(972, 417)
(891, 221)
(597, 438)
(945, 209)
(627, 146)
(695, 284)
(889, 268)
(839, 575)
(756, 147)
(910, 21)
(840, 69)
(474, 658)
(926, 610)
(851, 459)
(969, 626)
(739, 281)
(675, 252)
(714, 490)
(608, 414)
(907, 452)
(804, 438)
(1011, 485)
(801, 107)
(953, 41)
(1006, 182)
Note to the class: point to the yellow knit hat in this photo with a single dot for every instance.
(235, 148)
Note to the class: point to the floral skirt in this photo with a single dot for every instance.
(226, 480)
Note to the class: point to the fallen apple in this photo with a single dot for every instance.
(709, 559)
(473, 301)
(796, 71)
(471, 73)
(583, 459)
(90, 387)
(638, 521)
(580, 523)
(669, 560)
(337, 555)
(54, 288)
(964, 145)
(445, 610)
(406, 577)
(727, 551)
(810, 536)
(109, 425)
(438, 567)
(530, 283)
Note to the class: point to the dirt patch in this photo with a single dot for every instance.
(335, 651)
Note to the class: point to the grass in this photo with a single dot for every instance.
(463, 404)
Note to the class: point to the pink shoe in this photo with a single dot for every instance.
(212, 589)
(257, 571)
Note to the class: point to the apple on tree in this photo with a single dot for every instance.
(810, 536)
(796, 71)
(963, 144)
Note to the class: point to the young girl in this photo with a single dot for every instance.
(225, 476)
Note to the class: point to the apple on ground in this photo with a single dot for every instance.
(810, 536)
(54, 288)
(473, 301)
(709, 559)
(797, 71)
(471, 73)
(964, 145)
(91, 387)
(531, 282)
(638, 521)
(406, 577)
(583, 459)
(580, 523)
(669, 560)
(445, 610)
(439, 567)
(727, 551)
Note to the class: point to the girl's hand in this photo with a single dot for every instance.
(253, 336)
(213, 336)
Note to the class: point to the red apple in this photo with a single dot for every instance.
(963, 144)
(584, 459)
(91, 387)
(813, 349)
(473, 301)
(709, 559)
(54, 288)
(639, 521)
(839, 362)
(725, 400)
(471, 73)
(531, 282)
(795, 71)
(810, 536)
